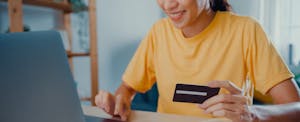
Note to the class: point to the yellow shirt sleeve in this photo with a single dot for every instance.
(265, 66)
(140, 73)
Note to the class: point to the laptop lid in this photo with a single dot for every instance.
(36, 84)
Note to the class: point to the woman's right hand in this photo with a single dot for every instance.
(114, 105)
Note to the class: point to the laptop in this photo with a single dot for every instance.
(36, 84)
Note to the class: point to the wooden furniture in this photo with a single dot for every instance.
(142, 116)
(16, 25)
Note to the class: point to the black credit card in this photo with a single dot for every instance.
(193, 93)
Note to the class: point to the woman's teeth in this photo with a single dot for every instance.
(176, 15)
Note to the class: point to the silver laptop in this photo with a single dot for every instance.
(36, 84)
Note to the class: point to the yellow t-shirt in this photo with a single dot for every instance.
(229, 48)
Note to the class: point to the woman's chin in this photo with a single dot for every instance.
(178, 25)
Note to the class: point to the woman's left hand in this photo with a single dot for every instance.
(233, 106)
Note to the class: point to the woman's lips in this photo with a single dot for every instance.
(176, 16)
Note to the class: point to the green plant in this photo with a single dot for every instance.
(78, 5)
(297, 78)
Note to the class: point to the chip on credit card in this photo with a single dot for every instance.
(193, 93)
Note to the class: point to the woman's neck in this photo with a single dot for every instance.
(202, 21)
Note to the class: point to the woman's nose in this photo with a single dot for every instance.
(169, 5)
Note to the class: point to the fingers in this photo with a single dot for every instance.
(224, 98)
(99, 100)
(220, 106)
(233, 89)
(224, 106)
(105, 101)
(237, 113)
(113, 105)
(225, 113)
(233, 105)
(122, 108)
(108, 102)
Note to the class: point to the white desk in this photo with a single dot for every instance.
(142, 116)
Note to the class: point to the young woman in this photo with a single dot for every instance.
(203, 43)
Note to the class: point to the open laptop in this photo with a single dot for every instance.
(36, 84)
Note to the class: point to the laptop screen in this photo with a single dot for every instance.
(36, 82)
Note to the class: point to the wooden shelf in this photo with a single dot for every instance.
(50, 4)
(70, 54)
(15, 11)
(85, 99)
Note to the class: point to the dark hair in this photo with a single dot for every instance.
(219, 5)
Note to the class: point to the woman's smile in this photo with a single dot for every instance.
(176, 15)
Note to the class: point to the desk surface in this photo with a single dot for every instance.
(142, 116)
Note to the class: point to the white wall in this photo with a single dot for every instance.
(246, 7)
(122, 24)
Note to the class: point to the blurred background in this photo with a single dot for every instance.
(121, 24)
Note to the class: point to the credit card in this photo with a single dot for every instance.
(193, 93)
